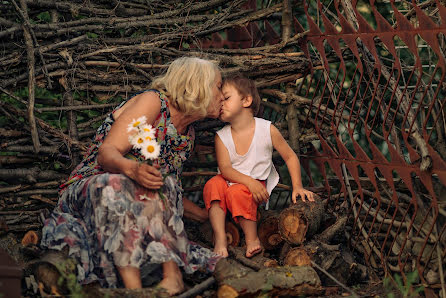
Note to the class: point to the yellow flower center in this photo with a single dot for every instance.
(148, 138)
(136, 123)
(150, 148)
(140, 140)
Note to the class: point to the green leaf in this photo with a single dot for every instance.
(92, 35)
(44, 17)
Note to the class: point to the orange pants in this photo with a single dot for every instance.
(236, 198)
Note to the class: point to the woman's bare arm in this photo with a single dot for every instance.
(116, 144)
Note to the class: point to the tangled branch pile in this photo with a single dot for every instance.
(64, 65)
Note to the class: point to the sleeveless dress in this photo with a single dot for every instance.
(108, 220)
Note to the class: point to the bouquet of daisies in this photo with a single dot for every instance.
(142, 137)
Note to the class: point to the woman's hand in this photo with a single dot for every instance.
(146, 175)
(259, 192)
(303, 193)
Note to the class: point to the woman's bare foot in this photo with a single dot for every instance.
(221, 246)
(173, 279)
(173, 285)
(253, 247)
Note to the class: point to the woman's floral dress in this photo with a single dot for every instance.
(109, 220)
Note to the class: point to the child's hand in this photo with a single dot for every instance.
(303, 193)
(259, 192)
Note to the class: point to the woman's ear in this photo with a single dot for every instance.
(247, 101)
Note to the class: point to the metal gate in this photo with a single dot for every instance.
(377, 93)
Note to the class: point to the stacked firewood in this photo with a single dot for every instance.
(304, 249)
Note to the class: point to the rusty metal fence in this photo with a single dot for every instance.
(377, 90)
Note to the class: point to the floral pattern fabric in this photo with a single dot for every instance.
(108, 220)
(175, 148)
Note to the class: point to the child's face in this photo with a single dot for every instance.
(232, 103)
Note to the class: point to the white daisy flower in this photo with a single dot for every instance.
(143, 197)
(133, 126)
(150, 149)
(137, 141)
(148, 129)
(148, 132)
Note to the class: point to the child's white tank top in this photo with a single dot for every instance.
(257, 162)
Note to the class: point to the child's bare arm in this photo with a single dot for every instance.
(259, 192)
(293, 164)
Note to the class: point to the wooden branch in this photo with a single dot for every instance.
(24, 13)
(198, 288)
(43, 199)
(64, 43)
(31, 75)
(15, 80)
(30, 149)
(256, 263)
(334, 279)
(7, 133)
(70, 7)
(32, 175)
(117, 64)
(123, 25)
(77, 108)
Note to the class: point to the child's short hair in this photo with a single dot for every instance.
(245, 87)
(188, 82)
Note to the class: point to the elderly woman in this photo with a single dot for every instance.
(117, 212)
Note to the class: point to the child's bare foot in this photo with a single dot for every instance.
(253, 247)
(221, 251)
(172, 284)
(221, 247)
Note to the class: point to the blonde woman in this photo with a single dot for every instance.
(110, 213)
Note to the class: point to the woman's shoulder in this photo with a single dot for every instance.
(152, 98)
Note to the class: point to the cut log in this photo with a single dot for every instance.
(297, 256)
(31, 237)
(228, 268)
(268, 230)
(232, 233)
(52, 271)
(272, 282)
(300, 221)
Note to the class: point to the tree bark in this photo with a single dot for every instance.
(300, 221)
(235, 280)
(268, 230)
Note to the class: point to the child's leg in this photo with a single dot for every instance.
(244, 210)
(214, 193)
(249, 227)
(217, 218)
